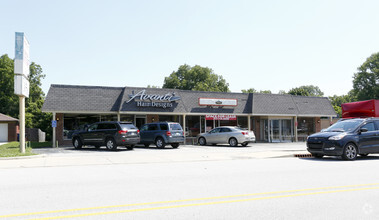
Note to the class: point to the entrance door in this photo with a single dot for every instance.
(275, 130)
(140, 121)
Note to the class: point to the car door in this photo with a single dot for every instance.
(367, 139)
(225, 134)
(92, 135)
(212, 136)
(144, 133)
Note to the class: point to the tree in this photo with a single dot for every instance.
(34, 117)
(306, 91)
(8, 100)
(196, 78)
(338, 100)
(252, 90)
(366, 80)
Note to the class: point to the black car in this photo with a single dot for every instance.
(347, 138)
(162, 133)
(110, 134)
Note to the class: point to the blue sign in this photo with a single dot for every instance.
(54, 123)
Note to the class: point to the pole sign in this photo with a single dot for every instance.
(21, 65)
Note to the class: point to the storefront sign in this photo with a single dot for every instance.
(217, 102)
(221, 117)
(142, 99)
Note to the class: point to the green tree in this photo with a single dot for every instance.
(366, 80)
(34, 117)
(8, 100)
(306, 91)
(196, 78)
(338, 100)
(252, 90)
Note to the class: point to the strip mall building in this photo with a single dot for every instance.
(273, 117)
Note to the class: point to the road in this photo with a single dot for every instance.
(237, 188)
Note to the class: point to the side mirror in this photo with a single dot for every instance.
(363, 130)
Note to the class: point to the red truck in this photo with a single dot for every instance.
(362, 109)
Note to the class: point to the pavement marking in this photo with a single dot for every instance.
(337, 189)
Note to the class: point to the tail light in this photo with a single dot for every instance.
(137, 131)
(245, 133)
(123, 131)
(168, 133)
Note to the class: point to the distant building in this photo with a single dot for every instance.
(273, 118)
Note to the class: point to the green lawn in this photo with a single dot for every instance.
(12, 149)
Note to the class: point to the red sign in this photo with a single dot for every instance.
(221, 117)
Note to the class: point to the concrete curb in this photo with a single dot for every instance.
(23, 157)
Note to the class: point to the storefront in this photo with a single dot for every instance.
(273, 118)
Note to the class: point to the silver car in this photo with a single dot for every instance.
(227, 135)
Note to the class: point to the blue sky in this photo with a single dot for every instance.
(267, 45)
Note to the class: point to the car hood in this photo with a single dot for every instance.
(324, 134)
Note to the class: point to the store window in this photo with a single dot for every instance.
(171, 118)
(77, 122)
(305, 127)
(129, 118)
(193, 126)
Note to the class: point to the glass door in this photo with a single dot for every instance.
(275, 130)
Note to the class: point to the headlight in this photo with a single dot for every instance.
(337, 137)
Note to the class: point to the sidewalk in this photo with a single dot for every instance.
(67, 156)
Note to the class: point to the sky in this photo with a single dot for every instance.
(266, 45)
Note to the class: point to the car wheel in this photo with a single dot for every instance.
(350, 152)
(176, 145)
(363, 155)
(130, 147)
(319, 156)
(159, 142)
(202, 141)
(244, 144)
(111, 144)
(233, 142)
(77, 143)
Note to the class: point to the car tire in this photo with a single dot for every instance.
(111, 144)
(176, 145)
(363, 155)
(77, 143)
(244, 144)
(233, 142)
(202, 141)
(130, 147)
(350, 152)
(159, 143)
(318, 156)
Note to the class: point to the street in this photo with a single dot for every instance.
(224, 188)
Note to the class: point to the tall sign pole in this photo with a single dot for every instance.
(21, 80)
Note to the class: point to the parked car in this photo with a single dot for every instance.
(227, 135)
(110, 134)
(162, 133)
(347, 138)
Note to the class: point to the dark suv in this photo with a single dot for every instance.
(162, 133)
(347, 138)
(110, 134)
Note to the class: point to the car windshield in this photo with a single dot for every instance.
(343, 126)
(175, 127)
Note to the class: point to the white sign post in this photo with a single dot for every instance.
(21, 80)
